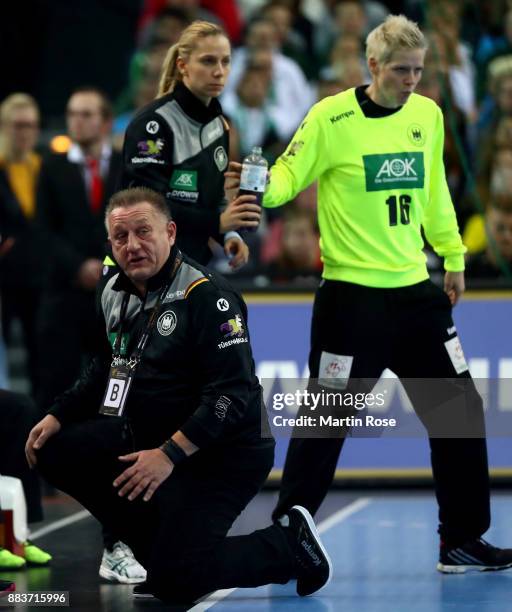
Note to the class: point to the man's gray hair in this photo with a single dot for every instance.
(137, 195)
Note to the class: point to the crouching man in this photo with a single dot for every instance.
(161, 437)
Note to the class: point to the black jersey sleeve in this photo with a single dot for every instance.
(219, 324)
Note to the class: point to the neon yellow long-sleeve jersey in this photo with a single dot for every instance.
(379, 181)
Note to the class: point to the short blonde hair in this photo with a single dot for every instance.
(11, 104)
(189, 38)
(15, 102)
(396, 32)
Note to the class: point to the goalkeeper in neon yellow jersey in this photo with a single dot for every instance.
(377, 153)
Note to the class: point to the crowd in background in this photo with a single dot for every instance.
(287, 54)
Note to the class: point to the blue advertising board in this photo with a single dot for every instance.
(280, 328)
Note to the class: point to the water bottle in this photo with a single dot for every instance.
(254, 177)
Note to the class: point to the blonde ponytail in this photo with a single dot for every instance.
(170, 73)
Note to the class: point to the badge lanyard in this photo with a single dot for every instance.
(121, 375)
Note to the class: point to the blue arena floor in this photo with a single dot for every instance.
(384, 552)
(383, 547)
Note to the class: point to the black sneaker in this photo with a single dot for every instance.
(477, 555)
(6, 586)
(143, 591)
(314, 568)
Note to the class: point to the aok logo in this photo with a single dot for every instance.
(394, 171)
(397, 168)
(184, 179)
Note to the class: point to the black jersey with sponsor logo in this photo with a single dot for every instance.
(179, 147)
(197, 371)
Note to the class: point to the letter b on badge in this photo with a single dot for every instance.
(117, 391)
(114, 393)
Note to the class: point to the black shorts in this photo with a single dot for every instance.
(409, 330)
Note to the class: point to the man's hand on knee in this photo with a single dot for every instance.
(150, 469)
(38, 436)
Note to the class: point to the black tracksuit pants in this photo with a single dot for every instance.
(180, 534)
(403, 329)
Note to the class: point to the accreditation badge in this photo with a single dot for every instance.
(118, 386)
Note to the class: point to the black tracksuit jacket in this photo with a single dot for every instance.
(197, 370)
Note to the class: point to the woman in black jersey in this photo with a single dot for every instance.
(178, 145)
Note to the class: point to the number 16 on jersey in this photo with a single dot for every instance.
(404, 205)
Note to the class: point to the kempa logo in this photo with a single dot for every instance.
(345, 115)
(174, 295)
(311, 552)
(394, 171)
(184, 179)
